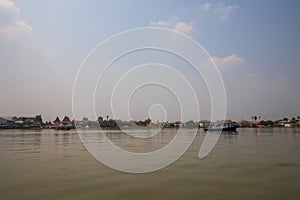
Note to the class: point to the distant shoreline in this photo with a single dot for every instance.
(140, 128)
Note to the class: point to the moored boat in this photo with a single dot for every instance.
(226, 126)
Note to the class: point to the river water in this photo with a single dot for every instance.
(253, 164)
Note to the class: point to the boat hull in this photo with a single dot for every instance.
(220, 129)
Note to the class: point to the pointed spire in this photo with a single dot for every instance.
(66, 120)
(57, 120)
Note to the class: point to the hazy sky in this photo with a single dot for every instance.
(254, 43)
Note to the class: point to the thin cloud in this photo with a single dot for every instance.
(184, 27)
(174, 23)
(228, 61)
(170, 22)
(205, 6)
(160, 23)
(226, 10)
(11, 21)
(222, 11)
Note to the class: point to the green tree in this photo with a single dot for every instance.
(100, 119)
(147, 122)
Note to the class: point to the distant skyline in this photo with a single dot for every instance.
(255, 44)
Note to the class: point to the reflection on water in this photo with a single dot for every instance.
(49, 164)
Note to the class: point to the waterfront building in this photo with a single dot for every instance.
(56, 121)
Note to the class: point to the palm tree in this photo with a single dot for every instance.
(255, 117)
(107, 118)
(100, 119)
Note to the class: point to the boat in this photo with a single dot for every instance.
(226, 126)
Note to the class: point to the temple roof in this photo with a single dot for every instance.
(66, 119)
(56, 120)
